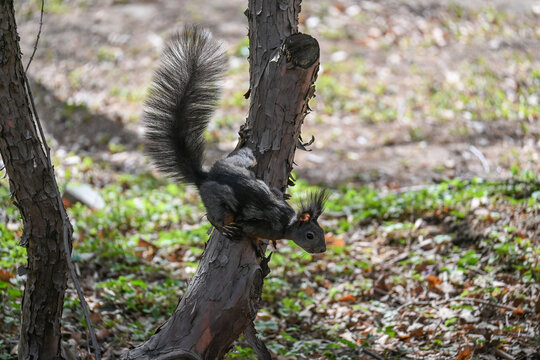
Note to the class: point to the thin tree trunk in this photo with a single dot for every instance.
(37, 197)
(223, 297)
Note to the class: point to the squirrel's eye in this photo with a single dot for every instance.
(310, 235)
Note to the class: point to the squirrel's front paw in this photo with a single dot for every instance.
(233, 231)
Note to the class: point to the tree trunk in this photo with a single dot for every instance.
(33, 184)
(223, 297)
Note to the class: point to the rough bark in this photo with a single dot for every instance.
(33, 184)
(223, 297)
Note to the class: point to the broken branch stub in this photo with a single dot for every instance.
(284, 90)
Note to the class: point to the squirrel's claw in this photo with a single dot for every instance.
(233, 231)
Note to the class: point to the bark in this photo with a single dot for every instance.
(223, 297)
(33, 184)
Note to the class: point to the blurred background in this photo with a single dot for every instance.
(409, 92)
(427, 131)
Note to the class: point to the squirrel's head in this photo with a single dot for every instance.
(306, 231)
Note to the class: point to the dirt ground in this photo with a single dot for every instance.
(95, 60)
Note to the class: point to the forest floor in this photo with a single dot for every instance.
(427, 128)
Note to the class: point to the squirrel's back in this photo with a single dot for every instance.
(182, 98)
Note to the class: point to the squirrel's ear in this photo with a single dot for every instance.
(315, 204)
(304, 217)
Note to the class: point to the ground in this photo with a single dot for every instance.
(434, 105)
(409, 92)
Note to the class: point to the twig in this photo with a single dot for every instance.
(487, 302)
(435, 330)
(465, 299)
(372, 354)
(37, 37)
(411, 303)
(398, 258)
(46, 148)
(65, 221)
(503, 354)
(476, 152)
(380, 291)
(76, 283)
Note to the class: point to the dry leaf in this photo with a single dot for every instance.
(309, 291)
(518, 311)
(148, 250)
(465, 353)
(433, 281)
(348, 298)
(66, 202)
(340, 6)
(5, 275)
(144, 243)
(333, 241)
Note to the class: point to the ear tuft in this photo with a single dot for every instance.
(315, 204)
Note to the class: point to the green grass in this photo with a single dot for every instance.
(150, 229)
(503, 87)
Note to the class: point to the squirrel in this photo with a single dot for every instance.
(181, 101)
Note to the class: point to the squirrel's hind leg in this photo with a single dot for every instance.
(220, 203)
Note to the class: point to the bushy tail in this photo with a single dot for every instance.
(182, 99)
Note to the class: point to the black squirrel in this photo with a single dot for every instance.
(181, 101)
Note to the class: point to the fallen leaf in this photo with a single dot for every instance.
(5, 275)
(333, 241)
(102, 333)
(144, 243)
(95, 317)
(518, 311)
(147, 250)
(433, 281)
(465, 353)
(467, 315)
(66, 202)
(416, 330)
(309, 291)
(340, 6)
(348, 298)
